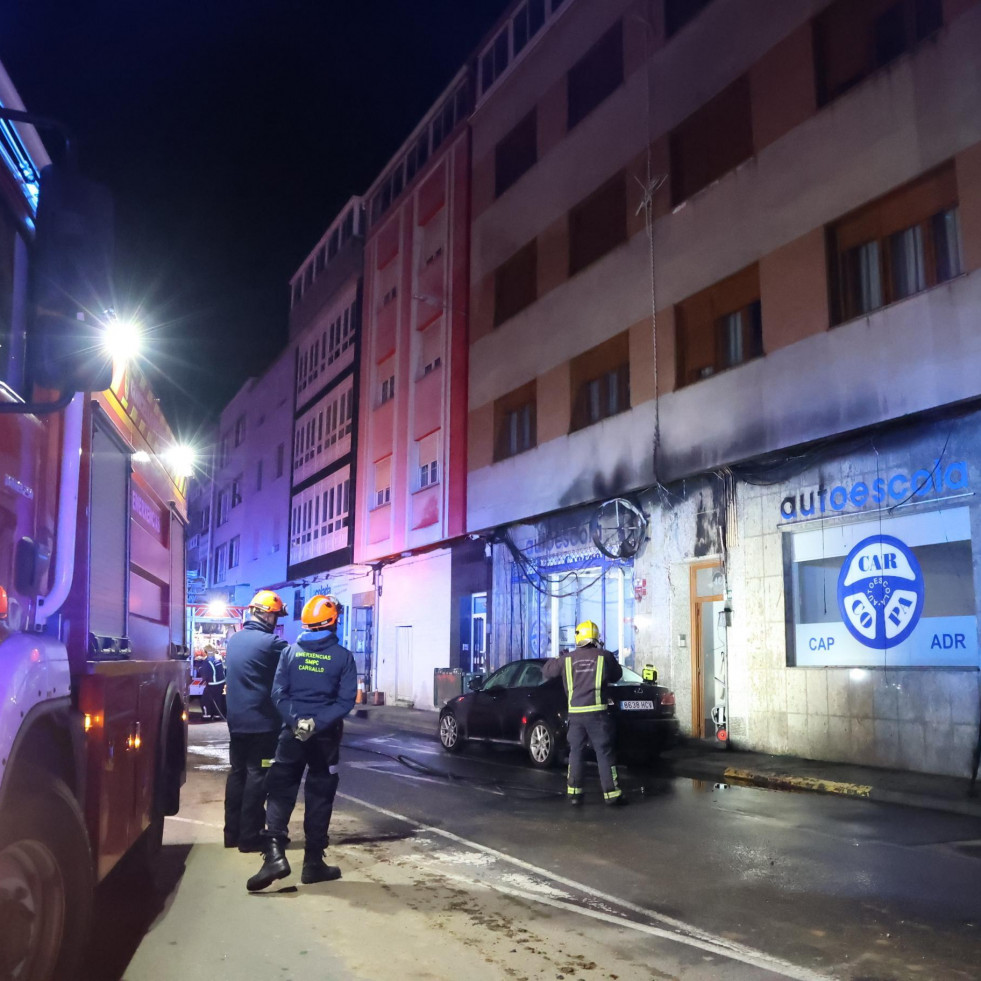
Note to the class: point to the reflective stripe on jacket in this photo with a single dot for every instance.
(585, 672)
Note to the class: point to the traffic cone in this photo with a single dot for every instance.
(360, 699)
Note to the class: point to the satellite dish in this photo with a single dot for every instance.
(618, 527)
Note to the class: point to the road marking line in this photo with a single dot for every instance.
(204, 824)
(680, 932)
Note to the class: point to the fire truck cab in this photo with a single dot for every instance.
(93, 671)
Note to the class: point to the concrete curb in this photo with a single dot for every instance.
(786, 781)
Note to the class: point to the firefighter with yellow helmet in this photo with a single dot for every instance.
(585, 673)
(251, 658)
(315, 687)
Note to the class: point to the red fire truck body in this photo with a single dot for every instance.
(93, 671)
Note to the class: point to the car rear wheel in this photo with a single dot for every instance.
(449, 733)
(542, 748)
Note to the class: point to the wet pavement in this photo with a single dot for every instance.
(695, 879)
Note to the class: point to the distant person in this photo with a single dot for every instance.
(253, 720)
(213, 675)
(585, 672)
(316, 685)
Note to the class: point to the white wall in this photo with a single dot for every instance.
(416, 594)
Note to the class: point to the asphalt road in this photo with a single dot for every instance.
(488, 873)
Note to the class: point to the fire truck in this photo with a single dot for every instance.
(93, 668)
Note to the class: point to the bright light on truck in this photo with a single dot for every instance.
(181, 460)
(122, 339)
(217, 608)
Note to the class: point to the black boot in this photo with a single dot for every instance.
(274, 866)
(315, 869)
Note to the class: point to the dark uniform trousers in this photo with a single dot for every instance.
(597, 728)
(250, 754)
(320, 756)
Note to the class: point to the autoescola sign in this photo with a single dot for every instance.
(895, 488)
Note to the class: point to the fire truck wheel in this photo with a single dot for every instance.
(46, 885)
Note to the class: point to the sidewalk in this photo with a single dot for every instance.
(705, 761)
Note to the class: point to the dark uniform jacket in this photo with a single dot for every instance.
(585, 672)
(251, 658)
(316, 679)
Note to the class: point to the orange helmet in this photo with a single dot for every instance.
(320, 612)
(266, 601)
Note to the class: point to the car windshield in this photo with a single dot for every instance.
(631, 677)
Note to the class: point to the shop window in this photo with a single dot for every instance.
(515, 418)
(516, 154)
(852, 40)
(596, 75)
(598, 224)
(677, 13)
(712, 141)
(885, 592)
(897, 246)
(720, 327)
(601, 382)
(516, 283)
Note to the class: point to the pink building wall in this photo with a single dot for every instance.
(419, 250)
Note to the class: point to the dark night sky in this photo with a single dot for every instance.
(231, 132)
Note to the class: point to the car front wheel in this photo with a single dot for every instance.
(449, 733)
(542, 748)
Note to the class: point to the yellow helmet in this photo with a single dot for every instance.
(320, 613)
(266, 601)
(586, 633)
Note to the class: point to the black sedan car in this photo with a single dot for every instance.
(515, 705)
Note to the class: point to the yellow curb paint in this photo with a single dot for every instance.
(797, 783)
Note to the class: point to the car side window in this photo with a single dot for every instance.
(501, 678)
(530, 677)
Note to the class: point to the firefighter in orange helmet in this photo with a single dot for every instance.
(315, 687)
(251, 659)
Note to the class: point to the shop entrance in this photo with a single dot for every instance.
(708, 646)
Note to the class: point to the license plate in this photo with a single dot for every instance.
(637, 706)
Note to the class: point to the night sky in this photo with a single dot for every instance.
(231, 132)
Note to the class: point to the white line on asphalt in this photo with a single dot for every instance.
(680, 932)
(204, 824)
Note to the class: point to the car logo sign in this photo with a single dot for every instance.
(880, 592)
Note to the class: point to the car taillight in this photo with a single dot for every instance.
(667, 703)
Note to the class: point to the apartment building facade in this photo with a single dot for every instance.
(411, 503)
(725, 279)
(251, 489)
(325, 332)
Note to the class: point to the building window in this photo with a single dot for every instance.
(677, 13)
(280, 459)
(601, 382)
(598, 224)
(237, 491)
(516, 283)
(386, 389)
(323, 433)
(430, 349)
(427, 461)
(515, 422)
(897, 246)
(712, 141)
(720, 327)
(382, 482)
(224, 447)
(852, 40)
(222, 509)
(596, 75)
(526, 23)
(234, 549)
(516, 154)
(221, 563)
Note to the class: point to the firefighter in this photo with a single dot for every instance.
(585, 673)
(251, 660)
(213, 675)
(315, 687)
